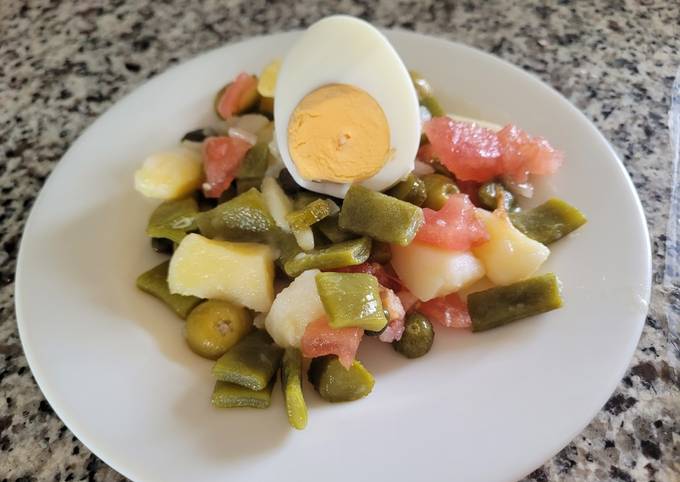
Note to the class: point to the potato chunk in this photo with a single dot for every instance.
(508, 256)
(242, 273)
(170, 175)
(294, 308)
(429, 272)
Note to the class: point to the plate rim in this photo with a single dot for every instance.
(97, 447)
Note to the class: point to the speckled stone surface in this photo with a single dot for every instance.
(62, 64)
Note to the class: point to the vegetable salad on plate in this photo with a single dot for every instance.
(328, 205)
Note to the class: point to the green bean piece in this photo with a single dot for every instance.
(336, 383)
(503, 304)
(244, 218)
(214, 326)
(351, 299)
(251, 363)
(247, 183)
(291, 383)
(550, 221)
(339, 255)
(380, 252)
(411, 190)
(230, 395)
(155, 282)
(329, 227)
(255, 163)
(422, 86)
(380, 216)
(439, 189)
(489, 193)
(432, 105)
(173, 219)
(417, 338)
(312, 213)
(303, 198)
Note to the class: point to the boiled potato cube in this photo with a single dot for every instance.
(293, 309)
(242, 273)
(508, 255)
(170, 175)
(429, 272)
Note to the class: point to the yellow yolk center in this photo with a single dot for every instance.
(338, 133)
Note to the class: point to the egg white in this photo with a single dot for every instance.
(347, 50)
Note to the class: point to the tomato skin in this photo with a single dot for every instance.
(455, 226)
(222, 157)
(228, 103)
(320, 339)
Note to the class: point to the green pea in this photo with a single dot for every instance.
(438, 188)
(417, 338)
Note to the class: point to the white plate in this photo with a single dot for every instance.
(112, 362)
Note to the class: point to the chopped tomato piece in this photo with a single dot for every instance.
(450, 311)
(227, 106)
(470, 152)
(455, 226)
(222, 157)
(474, 153)
(320, 339)
(524, 155)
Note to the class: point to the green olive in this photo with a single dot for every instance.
(438, 188)
(489, 193)
(214, 326)
(417, 338)
(335, 383)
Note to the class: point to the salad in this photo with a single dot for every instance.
(297, 228)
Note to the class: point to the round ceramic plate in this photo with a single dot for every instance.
(493, 406)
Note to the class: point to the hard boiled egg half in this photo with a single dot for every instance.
(346, 111)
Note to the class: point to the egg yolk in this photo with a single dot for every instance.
(338, 133)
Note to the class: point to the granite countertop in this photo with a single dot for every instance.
(62, 64)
